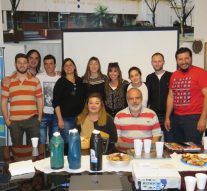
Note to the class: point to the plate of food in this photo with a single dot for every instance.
(194, 159)
(119, 159)
(183, 147)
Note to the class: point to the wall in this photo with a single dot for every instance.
(86, 6)
(200, 33)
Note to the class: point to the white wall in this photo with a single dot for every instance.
(200, 29)
(86, 6)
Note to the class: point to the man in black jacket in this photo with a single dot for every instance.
(157, 84)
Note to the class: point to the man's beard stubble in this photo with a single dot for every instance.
(21, 72)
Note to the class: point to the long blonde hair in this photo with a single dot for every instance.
(103, 115)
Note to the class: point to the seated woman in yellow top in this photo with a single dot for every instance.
(94, 116)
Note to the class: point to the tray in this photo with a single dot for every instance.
(183, 147)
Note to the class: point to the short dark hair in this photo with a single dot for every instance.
(20, 55)
(134, 68)
(183, 50)
(158, 54)
(48, 57)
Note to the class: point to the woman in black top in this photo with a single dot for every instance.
(68, 97)
(93, 78)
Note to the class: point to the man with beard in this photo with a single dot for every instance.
(157, 84)
(25, 95)
(136, 121)
(188, 98)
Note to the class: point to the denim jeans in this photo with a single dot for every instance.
(69, 123)
(168, 135)
(48, 124)
(185, 128)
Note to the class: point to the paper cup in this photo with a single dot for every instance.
(147, 145)
(159, 148)
(201, 180)
(205, 143)
(34, 141)
(35, 151)
(138, 147)
(190, 183)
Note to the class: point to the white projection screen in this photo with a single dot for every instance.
(127, 47)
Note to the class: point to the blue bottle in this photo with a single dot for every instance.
(56, 151)
(74, 149)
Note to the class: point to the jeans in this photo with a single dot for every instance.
(69, 123)
(30, 126)
(185, 128)
(49, 123)
(168, 135)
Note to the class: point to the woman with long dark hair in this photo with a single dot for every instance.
(68, 97)
(115, 90)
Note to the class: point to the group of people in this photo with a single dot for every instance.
(175, 104)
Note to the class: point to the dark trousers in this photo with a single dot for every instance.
(185, 128)
(168, 135)
(30, 126)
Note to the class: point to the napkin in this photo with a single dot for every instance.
(22, 167)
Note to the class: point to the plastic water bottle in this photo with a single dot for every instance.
(74, 149)
(96, 151)
(57, 151)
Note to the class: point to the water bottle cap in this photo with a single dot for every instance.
(96, 131)
(73, 131)
(56, 134)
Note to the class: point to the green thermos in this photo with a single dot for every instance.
(57, 151)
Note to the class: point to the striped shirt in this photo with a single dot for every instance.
(23, 96)
(144, 126)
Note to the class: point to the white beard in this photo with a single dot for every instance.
(136, 108)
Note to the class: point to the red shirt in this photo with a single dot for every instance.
(187, 90)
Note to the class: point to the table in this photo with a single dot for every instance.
(39, 180)
(53, 181)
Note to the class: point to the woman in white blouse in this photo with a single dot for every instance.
(135, 77)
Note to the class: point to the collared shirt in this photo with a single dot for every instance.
(144, 126)
(22, 95)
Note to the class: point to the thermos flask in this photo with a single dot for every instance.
(96, 151)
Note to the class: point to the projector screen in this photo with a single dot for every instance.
(127, 47)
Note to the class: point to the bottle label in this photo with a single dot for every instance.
(94, 159)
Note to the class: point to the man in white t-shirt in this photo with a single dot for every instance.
(48, 80)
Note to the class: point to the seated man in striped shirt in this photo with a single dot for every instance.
(136, 121)
(25, 94)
